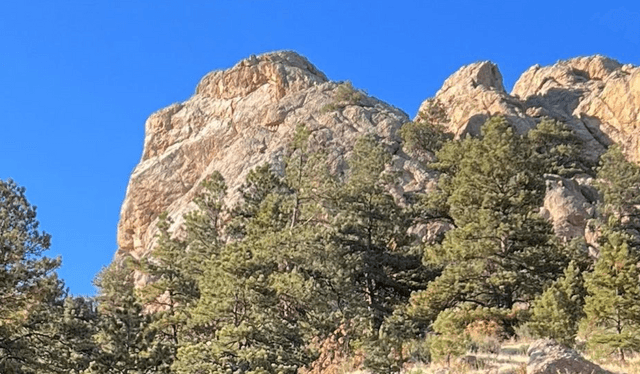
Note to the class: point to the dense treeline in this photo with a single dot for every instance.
(313, 267)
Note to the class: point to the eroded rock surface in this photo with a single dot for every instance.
(599, 98)
(566, 206)
(245, 116)
(548, 357)
(241, 118)
(473, 94)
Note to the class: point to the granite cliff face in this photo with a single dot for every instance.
(596, 96)
(599, 98)
(245, 116)
(241, 118)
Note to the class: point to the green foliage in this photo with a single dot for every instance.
(125, 337)
(467, 327)
(559, 147)
(32, 295)
(557, 312)
(345, 95)
(390, 349)
(425, 136)
(370, 236)
(450, 339)
(259, 303)
(612, 306)
(310, 254)
(173, 290)
(204, 228)
(619, 184)
(260, 182)
(501, 252)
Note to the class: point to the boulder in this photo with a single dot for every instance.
(566, 206)
(548, 357)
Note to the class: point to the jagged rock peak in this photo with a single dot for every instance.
(598, 97)
(573, 72)
(479, 75)
(238, 119)
(474, 93)
(286, 71)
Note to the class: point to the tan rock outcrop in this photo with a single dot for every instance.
(473, 94)
(566, 206)
(597, 97)
(244, 116)
(238, 119)
(548, 357)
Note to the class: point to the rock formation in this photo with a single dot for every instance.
(241, 118)
(548, 357)
(598, 97)
(245, 116)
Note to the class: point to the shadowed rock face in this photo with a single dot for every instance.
(245, 116)
(598, 97)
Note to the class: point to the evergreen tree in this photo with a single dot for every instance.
(124, 336)
(619, 184)
(74, 324)
(31, 294)
(612, 306)
(258, 306)
(204, 227)
(559, 148)
(370, 236)
(501, 251)
(556, 313)
(425, 136)
(173, 289)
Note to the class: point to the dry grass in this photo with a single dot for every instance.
(631, 366)
(512, 359)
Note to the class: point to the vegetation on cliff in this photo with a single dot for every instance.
(314, 268)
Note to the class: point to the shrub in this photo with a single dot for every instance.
(345, 95)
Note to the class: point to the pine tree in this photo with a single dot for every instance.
(124, 337)
(31, 294)
(425, 136)
(74, 324)
(501, 252)
(258, 306)
(612, 306)
(619, 184)
(370, 236)
(173, 289)
(255, 299)
(560, 149)
(556, 313)
(204, 227)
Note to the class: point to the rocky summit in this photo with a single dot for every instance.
(245, 116)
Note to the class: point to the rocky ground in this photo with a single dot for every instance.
(529, 357)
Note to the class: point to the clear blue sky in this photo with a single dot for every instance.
(79, 78)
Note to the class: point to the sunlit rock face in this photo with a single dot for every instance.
(245, 116)
(598, 97)
(241, 118)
